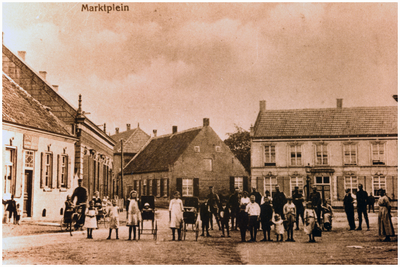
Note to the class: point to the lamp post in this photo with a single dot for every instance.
(308, 180)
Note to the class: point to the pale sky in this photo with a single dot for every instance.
(165, 64)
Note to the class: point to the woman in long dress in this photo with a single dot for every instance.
(384, 217)
(134, 215)
(309, 217)
(176, 215)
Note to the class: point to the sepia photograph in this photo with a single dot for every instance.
(207, 133)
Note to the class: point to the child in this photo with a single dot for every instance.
(289, 210)
(205, 213)
(266, 217)
(134, 215)
(242, 221)
(327, 215)
(224, 214)
(69, 210)
(279, 229)
(176, 215)
(113, 213)
(309, 217)
(19, 212)
(90, 219)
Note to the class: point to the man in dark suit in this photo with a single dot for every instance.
(233, 204)
(278, 201)
(298, 202)
(213, 201)
(349, 209)
(362, 201)
(205, 214)
(315, 198)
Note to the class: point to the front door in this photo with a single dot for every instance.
(28, 193)
(323, 187)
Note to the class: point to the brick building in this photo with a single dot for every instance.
(38, 154)
(94, 148)
(132, 141)
(332, 148)
(188, 161)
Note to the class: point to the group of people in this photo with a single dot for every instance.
(14, 210)
(363, 200)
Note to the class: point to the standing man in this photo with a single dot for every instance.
(298, 202)
(315, 198)
(362, 200)
(213, 200)
(349, 209)
(234, 206)
(278, 201)
(253, 209)
(81, 195)
(371, 203)
(257, 196)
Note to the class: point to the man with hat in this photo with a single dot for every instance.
(315, 198)
(81, 195)
(362, 201)
(349, 208)
(298, 202)
(234, 206)
(213, 201)
(278, 201)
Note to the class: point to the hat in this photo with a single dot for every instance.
(296, 187)
(211, 187)
(243, 206)
(146, 205)
(133, 191)
(347, 190)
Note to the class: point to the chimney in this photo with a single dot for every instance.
(22, 54)
(117, 130)
(43, 74)
(155, 133)
(128, 127)
(206, 122)
(263, 105)
(339, 102)
(174, 129)
(55, 87)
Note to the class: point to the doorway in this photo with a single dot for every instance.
(28, 193)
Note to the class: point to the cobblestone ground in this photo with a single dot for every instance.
(336, 247)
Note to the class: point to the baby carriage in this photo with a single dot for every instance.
(190, 215)
(327, 214)
(147, 209)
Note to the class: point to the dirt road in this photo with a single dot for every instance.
(336, 247)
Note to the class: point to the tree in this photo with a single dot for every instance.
(239, 143)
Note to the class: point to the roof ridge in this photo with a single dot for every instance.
(181, 132)
(307, 109)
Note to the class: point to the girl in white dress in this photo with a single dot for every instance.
(176, 215)
(309, 217)
(279, 228)
(90, 219)
(113, 213)
(134, 215)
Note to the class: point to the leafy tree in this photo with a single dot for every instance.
(239, 143)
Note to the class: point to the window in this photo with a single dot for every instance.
(48, 169)
(29, 156)
(208, 165)
(378, 154)
(269, 155)
(238, 183)
(379, 182)
(322, 154)
(64, 171)
(351, 182)
(322, 180)
(350, 154)
(270, 184)
(10, 174)
(151, 187)
(158, 188)
(165, 187)
(296, 181)
(197, 149)
(295, 155)
(187, 187)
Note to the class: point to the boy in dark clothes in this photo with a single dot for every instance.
(243, 221)
(266, 217)
(205, 213)
(224, 214)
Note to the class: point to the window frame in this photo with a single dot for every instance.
(238, 182)
(270, 186)
(353, 158)
(187, 187)
(297, 183)
(380, 182)
(381, 159)
(48, 171)
(11, 171)
(323, 156)
(270, 160)
(353, 187)
(64, 171)
(296, 158)
(208, 164)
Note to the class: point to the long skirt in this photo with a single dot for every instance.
(385, 222)
(311, 223)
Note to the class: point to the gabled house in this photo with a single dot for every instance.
(94, 149)
(189, 162)
(128, 144)
(332, 148)
(38, 154)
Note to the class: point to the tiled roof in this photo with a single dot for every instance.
(21, 108)
(133, 140)
(161, 152)
(327, 122)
